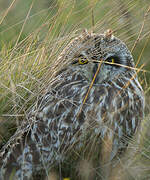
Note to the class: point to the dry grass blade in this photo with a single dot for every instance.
(141, 30)
(91, 84)
(7, 11)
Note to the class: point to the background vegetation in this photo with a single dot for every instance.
(34, 32)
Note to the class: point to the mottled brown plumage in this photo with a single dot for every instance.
(92, 107)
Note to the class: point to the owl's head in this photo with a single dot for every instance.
(85, 52)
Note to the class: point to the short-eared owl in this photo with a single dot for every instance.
(92, 107)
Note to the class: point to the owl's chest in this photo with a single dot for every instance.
(71, 104)
(73, 111)
(76, 104)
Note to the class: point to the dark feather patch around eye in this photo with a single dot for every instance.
(113, 59)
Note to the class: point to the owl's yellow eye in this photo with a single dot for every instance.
(113, 60)
(82, 60)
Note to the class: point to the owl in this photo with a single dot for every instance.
(90, 110)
